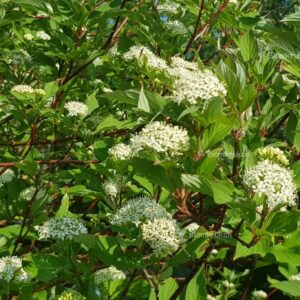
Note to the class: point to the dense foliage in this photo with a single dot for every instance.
(149, 149)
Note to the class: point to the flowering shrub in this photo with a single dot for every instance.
(149, 149)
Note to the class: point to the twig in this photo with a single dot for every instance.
(52, 162)
(195, 32)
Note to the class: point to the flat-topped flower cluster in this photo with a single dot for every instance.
(61, 228)
(191, 84)
(159, 230)
(270, 179)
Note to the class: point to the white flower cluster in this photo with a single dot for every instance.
(273, 181)
(61, 228)
(210, 297)
(28, 36)
(273, 154)
(260, 295)
(76, 108)
(138, 211)
(191, 229)
(176, 27)
(24, 89)
(158, 227)
(121, 152)
(70, 294)
(162, 138)
(169, 7)
(192, 84)
(7, 176)
(107, 90)
(28, 193)
(228, 284)
(163, 235)
(111, 188)
(295, 277)
(109, 274)
(141, 54)
(11, 269)
(43, 35)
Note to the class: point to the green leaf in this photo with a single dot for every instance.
(248, 95)
(209, 163)
(111, 122)
(63, 210)
(222, 191)
(215, 133)
(167, 288)
(285, 254)
(248, 46)
(214, 111)
(29, 167)
(291, 287)
(143, 103)
(293, 18)
(197, 183)
(196, 289)
(282, 223)
(293, 131)
(92, 102)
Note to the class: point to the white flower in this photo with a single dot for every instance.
(273, 154)
(76, 108)
(111, 188)
(109, 274)
(161, 137)
(43, 35)
(272, 181)
(98, 62)
(169, 7)
(192, 229)
(23, 89)
(107, 90)
(192, 84)
(40, 92)
(214, 251)
(11, 269)
(235, 2)
(228, 284)
(139, 210)
(260, 295)
(28, 193)
(28, 36)
(210, 297)
(163, 235)
(295, 277)
(176, 27)
(7, 176)
(70, 294)
(120, 152)
(141, 53)
(61, 228)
